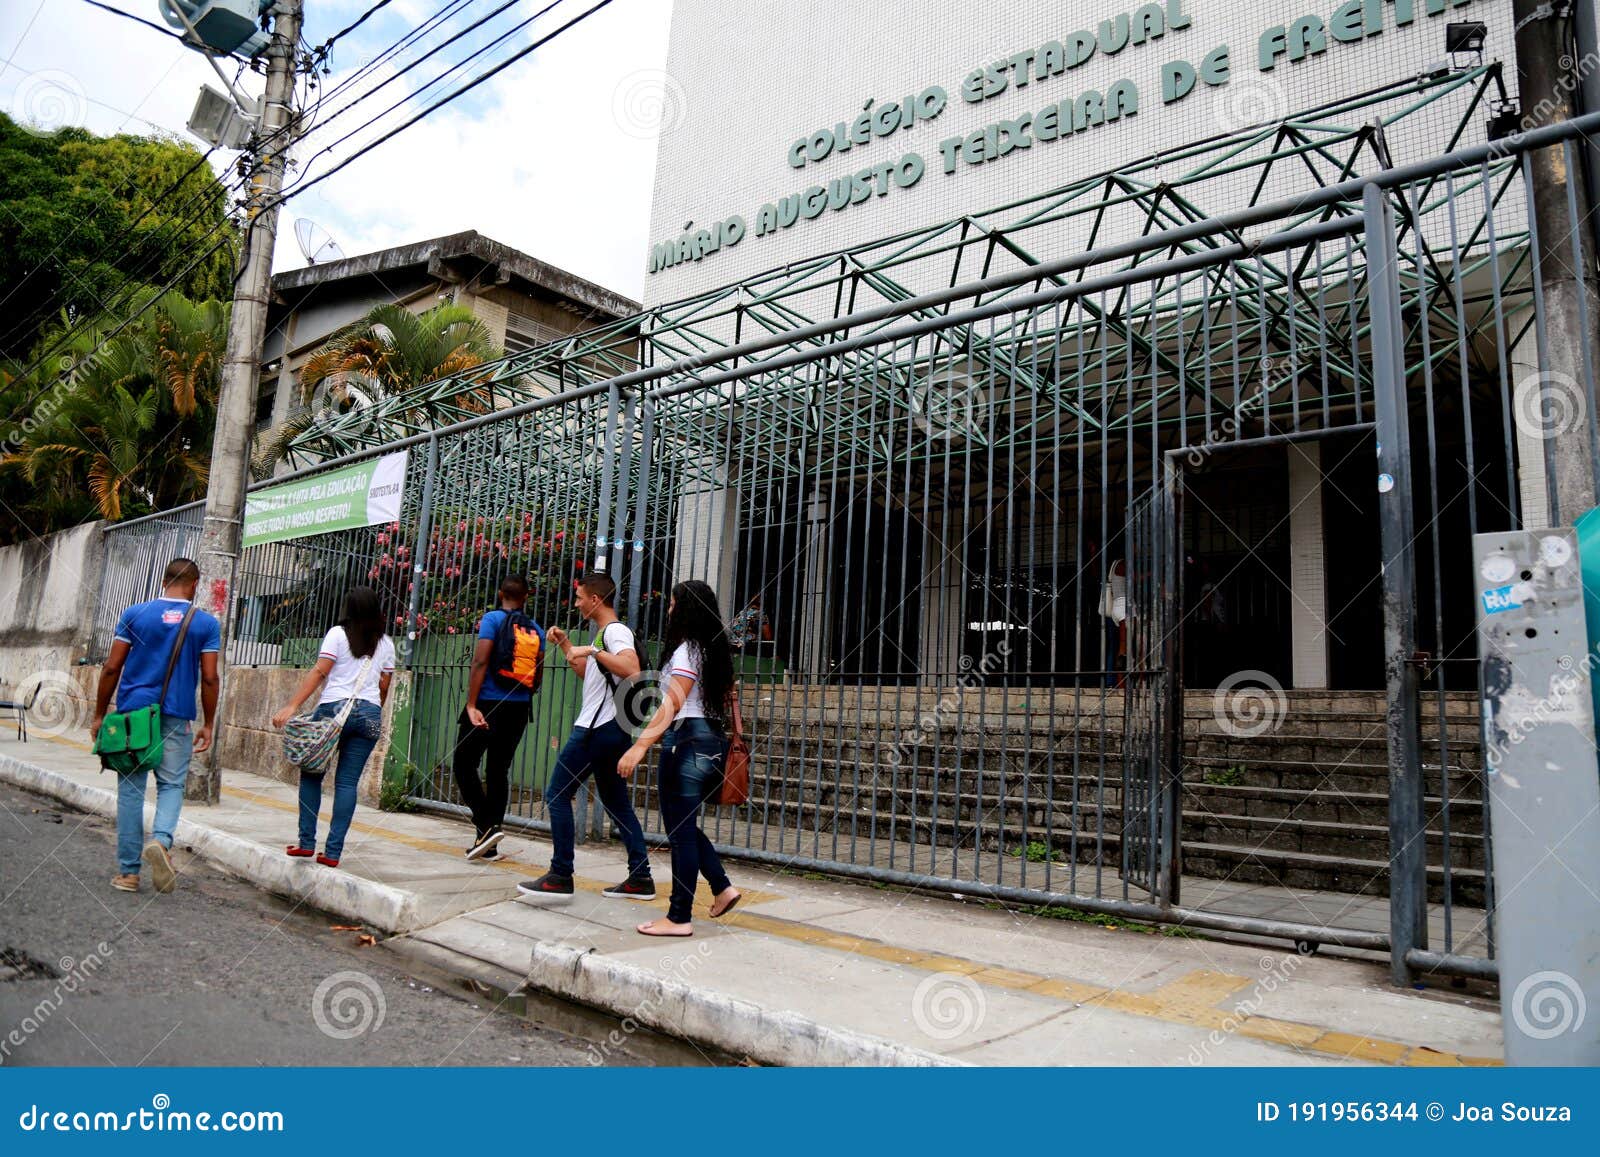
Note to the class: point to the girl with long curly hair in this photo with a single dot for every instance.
(692, 724)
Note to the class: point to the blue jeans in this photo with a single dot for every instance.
(597, 750)
(356, 741)
(692, 752)
(171, 774)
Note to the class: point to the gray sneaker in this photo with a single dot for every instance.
(162, 874)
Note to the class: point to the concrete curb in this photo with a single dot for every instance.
(669, 1006)
(379, 906)
(737, 1027)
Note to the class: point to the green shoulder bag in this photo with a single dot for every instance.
(131, 741)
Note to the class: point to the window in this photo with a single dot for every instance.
(524, 332)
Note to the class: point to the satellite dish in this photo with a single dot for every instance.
(315, 242)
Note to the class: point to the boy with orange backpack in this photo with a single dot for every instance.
(507, 668)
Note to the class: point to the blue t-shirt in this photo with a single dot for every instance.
(492, 689)
(149, 629)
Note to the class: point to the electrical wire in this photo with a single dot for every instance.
(495, 43)
(349, 28)
(203, 197)
(442, 102)
(137, 20)
(300, 187)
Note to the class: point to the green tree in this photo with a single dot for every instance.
(121, 423)
(387, 353)
(87, 216)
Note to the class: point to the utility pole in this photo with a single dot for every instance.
(1548, 81)
(241, 367)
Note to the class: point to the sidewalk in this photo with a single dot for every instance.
(811, 970)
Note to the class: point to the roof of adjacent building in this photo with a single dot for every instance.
(465, 255)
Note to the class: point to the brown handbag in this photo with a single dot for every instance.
(736, 766)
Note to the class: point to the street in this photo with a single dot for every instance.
(215, 973)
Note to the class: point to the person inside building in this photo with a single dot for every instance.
(750, 627)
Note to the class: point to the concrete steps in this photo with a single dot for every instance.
(1303, 805)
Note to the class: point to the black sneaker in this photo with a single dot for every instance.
(548, 884)
(633, 888)
(485, 842)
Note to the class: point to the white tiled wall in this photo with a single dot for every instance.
(750, 78)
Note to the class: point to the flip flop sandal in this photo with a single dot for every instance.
(732, 904)
(642, 929)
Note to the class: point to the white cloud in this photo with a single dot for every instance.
(554, 156)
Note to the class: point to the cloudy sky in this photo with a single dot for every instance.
(555, 155)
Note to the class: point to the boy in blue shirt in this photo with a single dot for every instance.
(135, 670)
(493, 722)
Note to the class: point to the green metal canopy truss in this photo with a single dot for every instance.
(1246, 338)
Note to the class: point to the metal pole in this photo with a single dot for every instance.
(1541, 787)
(1586, 33)
(241, 367)
(608, 469)
(1547, 85)
(419, 551)
(1408, 870)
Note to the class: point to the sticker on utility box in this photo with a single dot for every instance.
(1506, 598)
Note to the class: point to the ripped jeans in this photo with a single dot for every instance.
(692, 752)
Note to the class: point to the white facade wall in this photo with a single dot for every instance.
(749, 79)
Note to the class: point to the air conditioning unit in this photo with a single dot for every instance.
(226, 26)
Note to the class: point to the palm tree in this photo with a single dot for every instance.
(98, 436)
(387, 353)
(126, 414)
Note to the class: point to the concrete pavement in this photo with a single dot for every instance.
(812, 970)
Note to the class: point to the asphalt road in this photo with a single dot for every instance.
(215, 973)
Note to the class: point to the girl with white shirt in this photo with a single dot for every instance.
(356, 661)
(692, 724)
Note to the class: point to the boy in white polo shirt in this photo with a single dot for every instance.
(596, 743)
